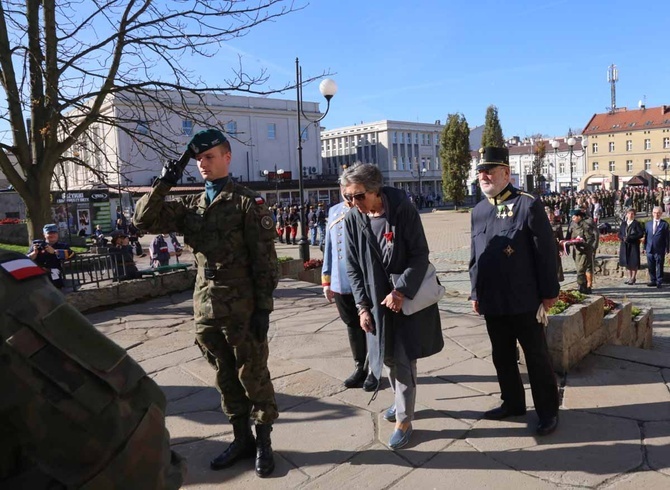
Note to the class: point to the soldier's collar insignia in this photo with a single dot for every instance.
(500, 198)
(508, 251)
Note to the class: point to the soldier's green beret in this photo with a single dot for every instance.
(205, 140)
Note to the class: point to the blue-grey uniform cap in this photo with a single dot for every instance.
(50, 228)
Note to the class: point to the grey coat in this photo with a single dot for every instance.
(420, 333)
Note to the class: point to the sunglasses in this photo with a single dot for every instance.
(354, 197)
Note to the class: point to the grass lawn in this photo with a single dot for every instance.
(23, 249)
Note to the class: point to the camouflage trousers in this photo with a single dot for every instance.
(583, 264)
(242, 375)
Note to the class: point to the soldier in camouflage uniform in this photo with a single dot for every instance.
(584, 252)
(232, 234)
(76, 410)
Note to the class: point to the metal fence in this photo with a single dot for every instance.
(90, 269)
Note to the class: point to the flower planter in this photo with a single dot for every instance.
(641, 329)
(290, 269)
(567, 332)
(310, 275)
(617, 326)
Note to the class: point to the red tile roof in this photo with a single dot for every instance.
(625, 120)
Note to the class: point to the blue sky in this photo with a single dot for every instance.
(543, 63)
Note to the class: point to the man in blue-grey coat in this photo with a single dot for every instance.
(513, 272)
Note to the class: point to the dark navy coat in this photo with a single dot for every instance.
(513, 254)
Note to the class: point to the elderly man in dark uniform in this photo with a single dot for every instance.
(50, 254)
(232, 234)
(514, 278)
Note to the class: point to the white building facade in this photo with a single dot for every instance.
(401, 149)
(263, 134)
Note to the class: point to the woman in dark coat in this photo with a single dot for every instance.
(630, 234)
(385, 236)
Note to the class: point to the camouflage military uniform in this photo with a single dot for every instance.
(233, 244)
(584, 252)
(77, 411)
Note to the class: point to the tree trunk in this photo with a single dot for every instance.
(38, 205)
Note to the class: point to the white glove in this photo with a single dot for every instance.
(541, 316)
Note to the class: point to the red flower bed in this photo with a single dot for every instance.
(609, 238)
(10, 221)
(312, 264)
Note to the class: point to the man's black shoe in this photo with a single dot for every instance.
(651, 284)
(370, 383)
(356, 379)
(659, 286)
(547, 426)
(502, 412)
(265, 463)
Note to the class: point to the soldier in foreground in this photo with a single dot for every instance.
(77, 411)
(232, 234)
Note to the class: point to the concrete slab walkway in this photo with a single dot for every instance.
(614, 424)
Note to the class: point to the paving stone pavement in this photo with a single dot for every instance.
(614, 423)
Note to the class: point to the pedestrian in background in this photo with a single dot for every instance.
(232, 234)
(630, 234)
(514, 280)
(385, 236)
(657, 245)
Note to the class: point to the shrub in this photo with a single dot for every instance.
(283, 259)
(635, 311)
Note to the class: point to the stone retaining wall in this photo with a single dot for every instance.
(131, 291)
(583, 328)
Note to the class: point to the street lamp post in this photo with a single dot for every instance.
(555, 144)
(571, 142)
(664, 165)
(328, 88)
(277, 177)
(421, 172)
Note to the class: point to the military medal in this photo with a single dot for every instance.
(501, 212)
(508, 251)
(509, 209)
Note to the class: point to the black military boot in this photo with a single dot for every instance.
(359, 351)
(265, 462)
(242, 447)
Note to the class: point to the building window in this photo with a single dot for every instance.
(272, 131)
(647, 144)
(629, 145)
(395, 136)
(142, 127)
(629, 165)
(595, 166)
(561, 167)
(594, 147)
(231, 127)
(647, 164)
(409, 138)
(186, 127)
(416, 138)
(612, 166)
(611, 146)
(666, 143)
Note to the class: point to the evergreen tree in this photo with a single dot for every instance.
(493, 134)
(455, 157)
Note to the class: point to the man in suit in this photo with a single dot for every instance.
(513, 275)
(657, 244)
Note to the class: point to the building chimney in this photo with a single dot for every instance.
(665, 109)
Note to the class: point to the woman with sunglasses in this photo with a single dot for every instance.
(385, 236)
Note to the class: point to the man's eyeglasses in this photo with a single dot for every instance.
(354, 197)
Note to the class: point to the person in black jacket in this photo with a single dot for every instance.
(385, 236)
(122, 257)
(631, 232)
(513, 274)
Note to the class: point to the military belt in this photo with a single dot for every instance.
(213, 274)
